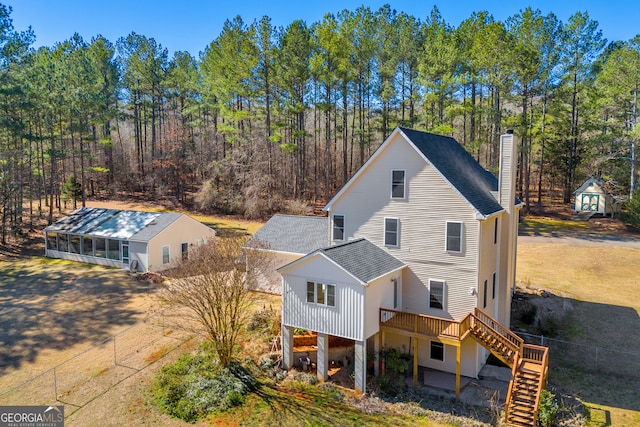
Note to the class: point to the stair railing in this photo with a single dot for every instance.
(507, 402)
(499, 328)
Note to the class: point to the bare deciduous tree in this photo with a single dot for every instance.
(214, 288)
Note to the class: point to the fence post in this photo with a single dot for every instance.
(55, 383)
(542, 340)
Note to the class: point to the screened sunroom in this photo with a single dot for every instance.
(135, 240)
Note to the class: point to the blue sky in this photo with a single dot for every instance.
(192, 24)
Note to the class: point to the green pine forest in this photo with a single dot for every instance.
(267, 118)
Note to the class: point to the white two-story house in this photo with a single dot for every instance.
(419, 255)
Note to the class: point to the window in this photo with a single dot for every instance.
(74, 244)
(338, 227)
(331, 295)
(397, 184)
(311, 292)
(101, 248)
(493, 285)
(165, 255)
(484, 294)
(63, 243)
(454, 237)
(395, 292)
(495, 231)
(437, 351)
(113, 251)
(52, 241)
(184, 247)
(391, 231)
(87, 246)
(436, 294)
(321, 294)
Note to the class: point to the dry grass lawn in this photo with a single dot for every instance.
(600, 285)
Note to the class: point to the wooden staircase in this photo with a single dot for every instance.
(529, 365)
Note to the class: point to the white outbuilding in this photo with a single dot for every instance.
(133, 240)
(592, 196)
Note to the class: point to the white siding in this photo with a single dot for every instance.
(271, 279)
(344, 320)
(183, 230)
(138, 251)
(488, 263)
(430, 201)
(83, 258)
(379, 294)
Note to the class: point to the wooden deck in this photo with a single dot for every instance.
(529, 363)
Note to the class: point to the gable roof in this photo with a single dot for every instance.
(296, 234)
(590, 181)
(453, 162)
(459, 168)
(360, 258)
(114, 223)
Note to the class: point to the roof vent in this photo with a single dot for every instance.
(509, 131)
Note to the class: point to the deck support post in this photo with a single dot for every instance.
(323, 357)
(376, 353)
(458, 351)
(287, 347)
(360, 368)
(382, 367)
(415, 361)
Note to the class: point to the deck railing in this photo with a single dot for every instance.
(421, 323)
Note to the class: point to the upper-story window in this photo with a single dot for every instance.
(495, 230)
(454, 237)
(338, 227)
(397, 184)
(391, 232)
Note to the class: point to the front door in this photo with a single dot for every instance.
(590, 202)
(125, 255)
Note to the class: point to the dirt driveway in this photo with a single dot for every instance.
(51, 310)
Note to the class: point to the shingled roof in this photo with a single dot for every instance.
(362, 259)
(294, 233)
(450, 158)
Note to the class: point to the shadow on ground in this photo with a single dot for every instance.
(51, 305)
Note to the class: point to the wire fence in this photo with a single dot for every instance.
(89, 374)
(599, 359)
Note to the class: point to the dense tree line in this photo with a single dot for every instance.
(268, 115)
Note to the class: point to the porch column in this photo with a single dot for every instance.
(415, 361)
(360, 366)
(458, 351)
(323, 357)
(287, 347)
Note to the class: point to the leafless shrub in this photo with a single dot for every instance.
(213, 287)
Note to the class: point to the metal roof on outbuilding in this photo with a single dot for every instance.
(114, 223)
